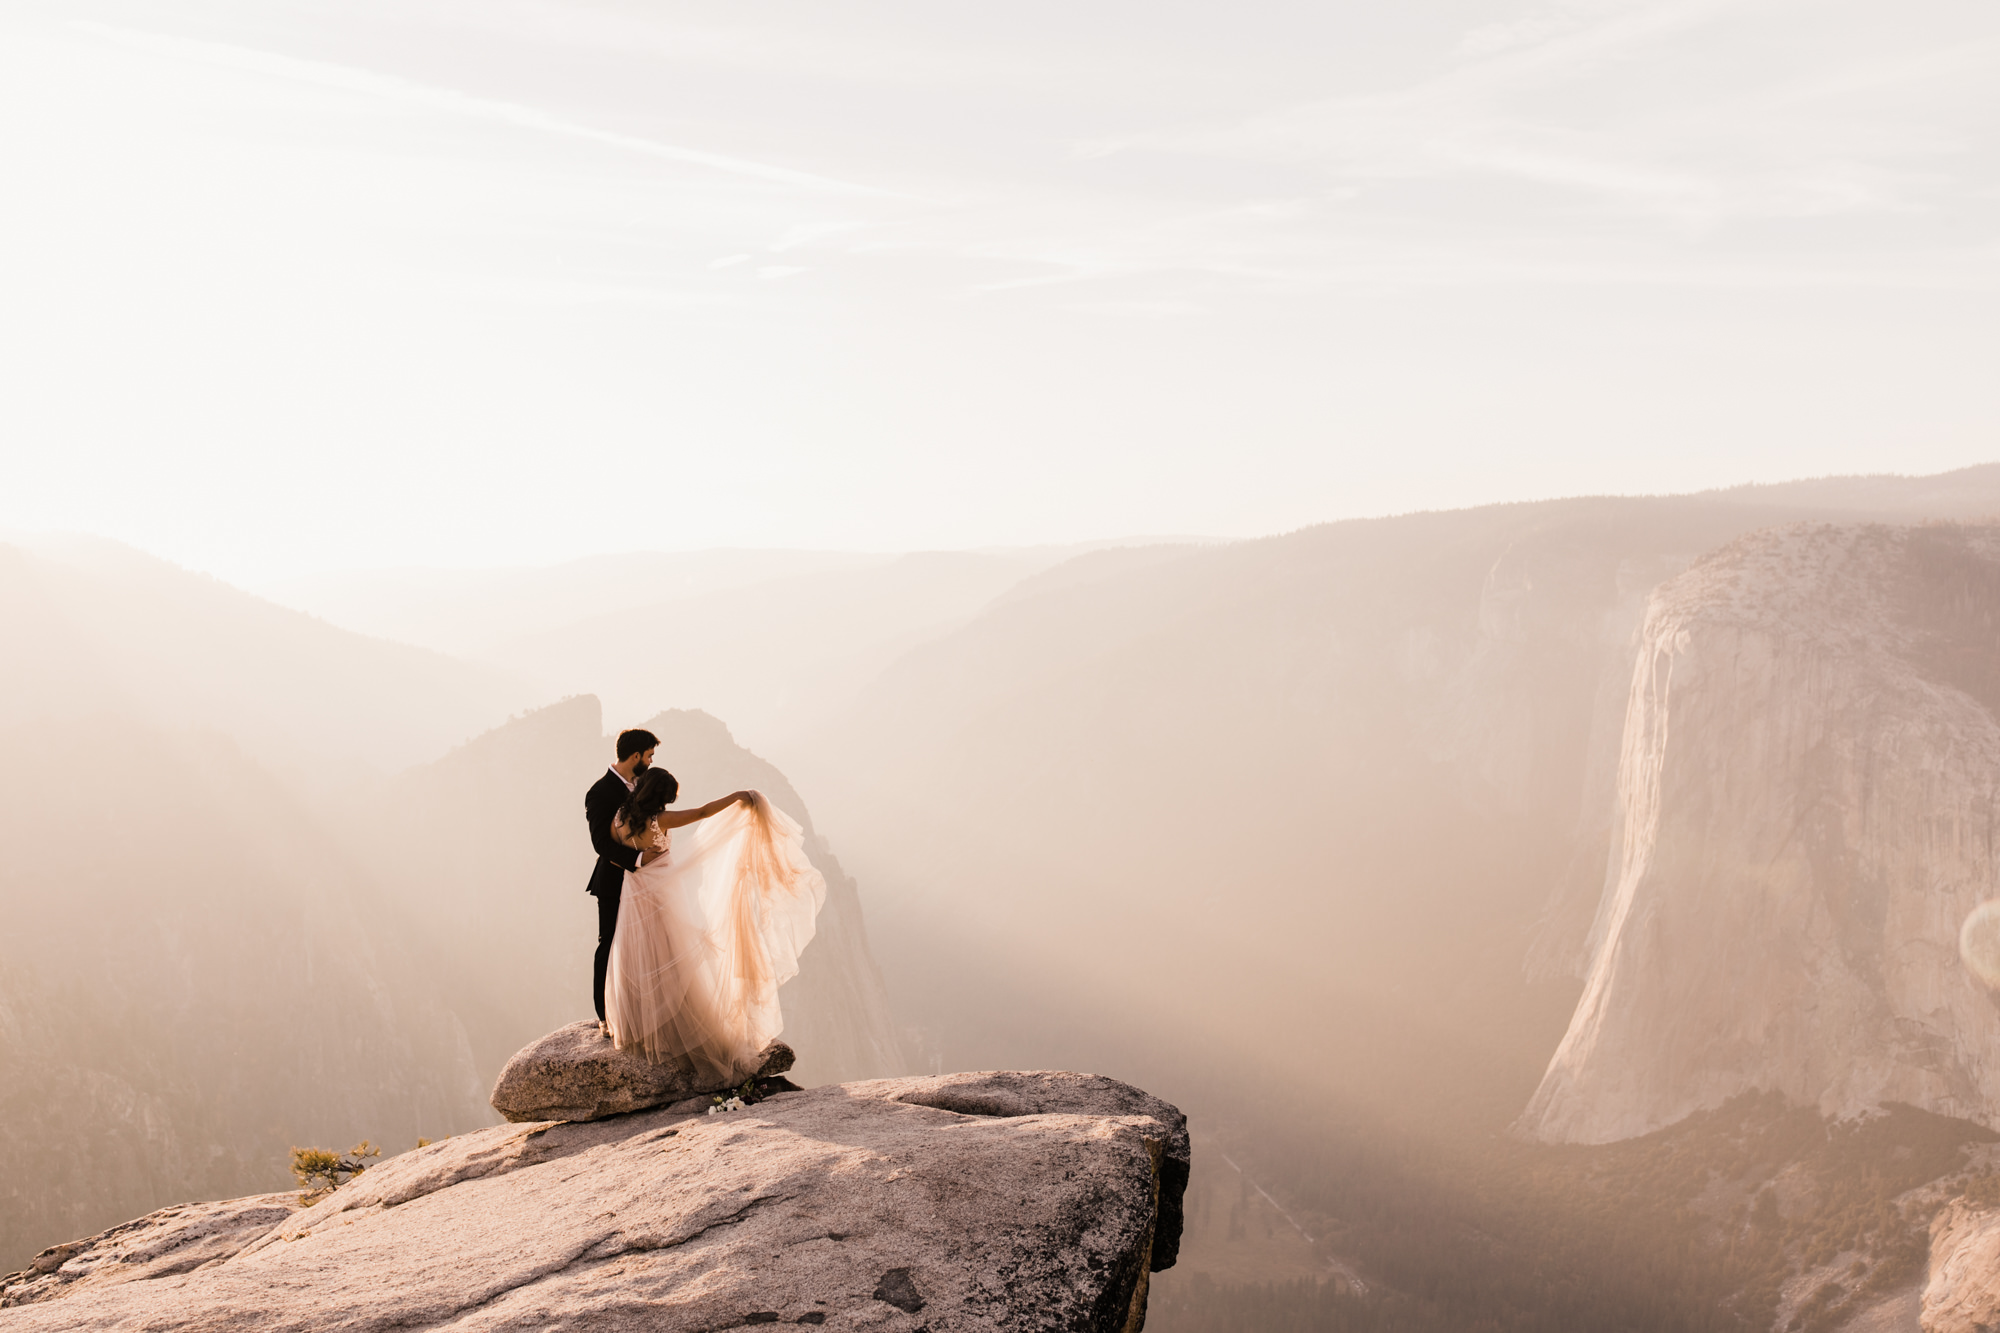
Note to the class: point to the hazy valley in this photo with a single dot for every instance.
(1547, 914)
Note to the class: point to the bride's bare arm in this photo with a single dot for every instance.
(681, 818)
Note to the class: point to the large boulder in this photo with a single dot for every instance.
(974, 1202)
(575, 1074)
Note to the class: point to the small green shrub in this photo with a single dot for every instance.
(321, 1171)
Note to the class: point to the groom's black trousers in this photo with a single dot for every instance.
(607, 926)
(607, 877)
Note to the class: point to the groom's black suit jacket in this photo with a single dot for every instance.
(614, 858)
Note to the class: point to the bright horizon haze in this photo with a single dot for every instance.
(297, 287)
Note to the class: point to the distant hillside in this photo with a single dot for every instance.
(99, 629)
(194, 977)
(1972, 492)
(195, 974)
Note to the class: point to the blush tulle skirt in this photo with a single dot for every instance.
(706, 936)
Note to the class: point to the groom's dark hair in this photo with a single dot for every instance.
(634, 742)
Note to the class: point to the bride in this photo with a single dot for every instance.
(709, 926)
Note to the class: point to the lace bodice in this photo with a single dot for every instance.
(657, 838)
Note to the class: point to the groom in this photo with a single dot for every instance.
(614, 858)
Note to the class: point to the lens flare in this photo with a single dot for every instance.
(1979, 942)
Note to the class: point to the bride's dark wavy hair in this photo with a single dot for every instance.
(655, 790)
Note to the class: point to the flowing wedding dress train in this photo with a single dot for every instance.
(706, 935)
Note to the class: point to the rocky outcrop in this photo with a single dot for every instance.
(576, 1074)
(1009, 1201)
(163, 1244)
(1962, 1294)
(1808, 792)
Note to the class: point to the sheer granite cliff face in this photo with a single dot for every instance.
(1807, 809)
(995, 1201)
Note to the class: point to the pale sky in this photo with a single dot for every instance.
(293, 286)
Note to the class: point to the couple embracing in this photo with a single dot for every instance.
(701, 916)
